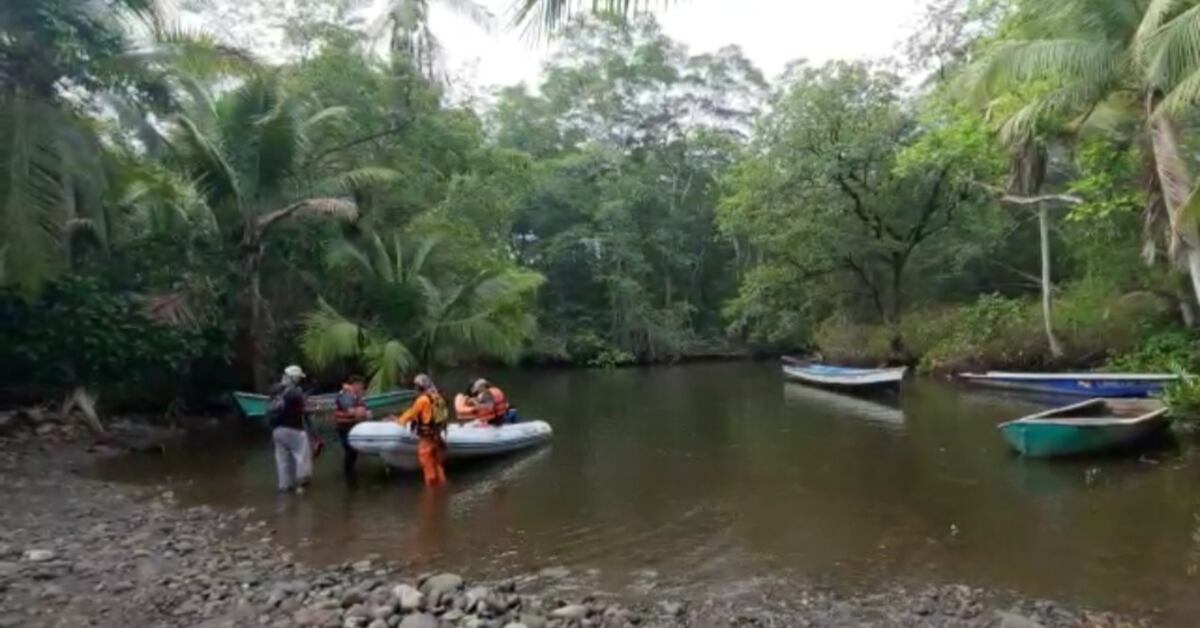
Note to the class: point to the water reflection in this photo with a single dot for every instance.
(836, 404)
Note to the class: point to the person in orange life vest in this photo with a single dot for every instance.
(349, 409)
(491, 404)
(427, 416)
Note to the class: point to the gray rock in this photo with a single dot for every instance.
(314, 617)
(570, 611)
(477, 596)
(453, 615)
(409, 598)
(674, 609)
(1012, 620)
(555, 573)
(419, 620)
(378, 623)
(442, 583)
(532, 621)
(515, 624)
(359, 610)
(8, 569)
(352, 597)
(11, 620)
(38, 555)
(382, 611)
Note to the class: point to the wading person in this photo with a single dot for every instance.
(428, 416)
(349, 409)
(491, 404)
(285, 411)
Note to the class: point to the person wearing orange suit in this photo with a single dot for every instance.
(491, 404)
(427, 416)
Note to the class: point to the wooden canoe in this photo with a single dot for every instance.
(844, 378)
(1089, 427)
(1094, 385)
(254, 406)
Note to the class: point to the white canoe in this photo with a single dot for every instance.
(397, 445)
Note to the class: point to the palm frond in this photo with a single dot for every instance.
(327, 337)
(203, 157)
(540, 19)
(382, 266)
(343, 255)
(1172, 52)
(1183, 98)
(1081, 61)
(388, 360)
(364, 178)
(474, 11)
(30, 192)
(328, 113)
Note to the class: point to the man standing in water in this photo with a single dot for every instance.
(285, 411)
(349, 409)
(428, 417)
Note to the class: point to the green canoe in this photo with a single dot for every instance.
(1090, 427)
(254, 406)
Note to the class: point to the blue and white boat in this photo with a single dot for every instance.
(844, 378)
(397, 445)
(1108, 385)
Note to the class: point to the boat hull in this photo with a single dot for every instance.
(1079, 385)
(845, 378)
(1055, 440)
(254, 406)
(397, 445)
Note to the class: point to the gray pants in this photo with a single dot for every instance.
(293, 457)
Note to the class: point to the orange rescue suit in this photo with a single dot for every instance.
(431, 448)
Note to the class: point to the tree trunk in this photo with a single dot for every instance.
(1175, 181)
(1047, 286)
(899, 353)
(249, 318)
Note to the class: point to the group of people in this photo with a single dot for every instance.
(428, 417)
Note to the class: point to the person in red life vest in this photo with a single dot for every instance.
(428, 417)
(491, 404)
(349, 409)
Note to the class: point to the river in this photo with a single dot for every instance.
(721, 479)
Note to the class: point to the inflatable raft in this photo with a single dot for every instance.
(397, 445)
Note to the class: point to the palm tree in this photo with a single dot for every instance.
(58, 60)
(246, 153)
(405, 25)
(540, 18)
(414, 322)
(1134, 58)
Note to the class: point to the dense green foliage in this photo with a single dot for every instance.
(179, 213)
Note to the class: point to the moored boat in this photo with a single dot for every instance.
(1111, 385)
(397, 445)
(845, 378)
(1088, 427)
(254, 406)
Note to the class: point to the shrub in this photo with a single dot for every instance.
(1183, 398)
(1170, 350)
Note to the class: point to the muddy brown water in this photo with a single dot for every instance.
(711, 479)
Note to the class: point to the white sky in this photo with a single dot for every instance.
(772, 33)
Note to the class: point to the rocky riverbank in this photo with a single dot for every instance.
(75, 551)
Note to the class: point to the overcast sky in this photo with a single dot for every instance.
(772, 32)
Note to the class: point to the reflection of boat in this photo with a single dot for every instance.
(844, 378)
(254, 406)
(397, 445)
(1080, 384)
(1091, 426)
(843, 404)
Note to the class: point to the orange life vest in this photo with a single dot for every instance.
(429, 418)
(499, 408)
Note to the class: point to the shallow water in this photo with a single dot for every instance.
(712, 479)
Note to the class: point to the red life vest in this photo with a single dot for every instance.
(344, 412)
(499, 408)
